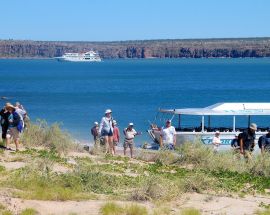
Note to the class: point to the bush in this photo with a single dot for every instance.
(29, 211)
(155, 188)
(111, 208)
(51, 137)
(190, 211)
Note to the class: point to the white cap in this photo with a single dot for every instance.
(130, 124)
(253, 126)
(114, 122)
(95, 123)
(217, 132)
(108, 111)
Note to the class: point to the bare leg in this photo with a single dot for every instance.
(107, 147)
(131, 151)
(8, 140)
(114, 152)
(111, 145)
(17, 141)
(125, 151)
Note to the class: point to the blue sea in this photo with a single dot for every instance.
(76, 94)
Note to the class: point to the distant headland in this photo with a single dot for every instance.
(171, 48)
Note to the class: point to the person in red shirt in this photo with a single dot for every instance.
(116, 136)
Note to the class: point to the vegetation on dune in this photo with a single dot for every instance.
(154, 176)
(40, 134)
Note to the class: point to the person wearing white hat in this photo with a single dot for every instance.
(168, 136)
(116, 136)
(130, 134)
(216, 141)
(106, 130)
(247, 141)
(14, 126)
(94, 132)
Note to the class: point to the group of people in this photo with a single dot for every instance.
(13, 121)
(107, 133)
(244, 142)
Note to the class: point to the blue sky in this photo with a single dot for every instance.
(109, 20)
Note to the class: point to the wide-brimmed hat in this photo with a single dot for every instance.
(130, 124)
(108, 111)
(9, 105)
(253, 126)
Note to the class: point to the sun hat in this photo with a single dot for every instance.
(108, 111)
(130, 124)
(253, 126)
(114, 122)
(168, 121)
(217, 132)
(95, 123)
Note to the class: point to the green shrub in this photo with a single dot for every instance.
(135, 209)
(111, 208)
(155, 188)
(51, 137)
(6, 212)
(29, 211)
(190, 211)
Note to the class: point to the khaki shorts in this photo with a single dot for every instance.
(13, 133)
(128, 143)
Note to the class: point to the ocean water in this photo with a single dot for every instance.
(76, 94)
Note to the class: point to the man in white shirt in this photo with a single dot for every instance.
(168, 136)
(216, 141)
(130, 134)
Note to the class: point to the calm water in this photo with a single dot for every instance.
(77, 94)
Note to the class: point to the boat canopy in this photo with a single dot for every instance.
(231, 109)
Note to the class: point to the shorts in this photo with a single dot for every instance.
(13, 133)
(128, 143)
(106, 133)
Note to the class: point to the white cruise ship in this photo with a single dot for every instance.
(90, 56)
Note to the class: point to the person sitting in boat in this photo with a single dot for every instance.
(168, 136)
(216, 141)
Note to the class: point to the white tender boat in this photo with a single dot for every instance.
(205, 131)
(90, 56)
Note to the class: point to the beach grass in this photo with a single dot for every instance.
(153, 176)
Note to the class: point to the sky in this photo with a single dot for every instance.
(114, 20)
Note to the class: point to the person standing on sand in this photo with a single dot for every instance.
(130, 134)
(168, 136)
(14, 126)
(94, 132)
(116, 136)
(247, 141)
(106, 130)
(216, 141)
(4, 122)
